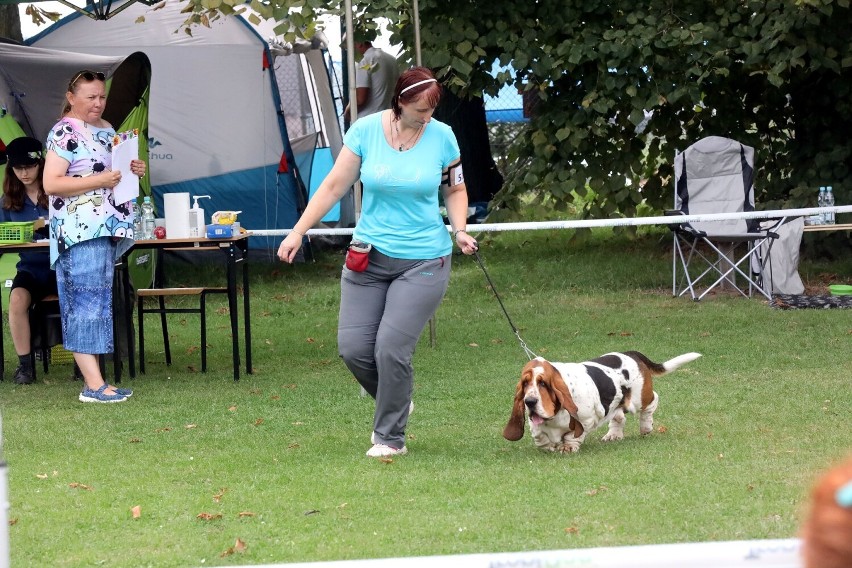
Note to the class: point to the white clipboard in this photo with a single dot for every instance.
(125, 149)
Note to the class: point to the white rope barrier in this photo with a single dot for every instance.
(778, 553)
(592, 223)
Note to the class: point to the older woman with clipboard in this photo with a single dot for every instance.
(89, 231)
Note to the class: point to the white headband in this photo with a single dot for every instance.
(417, 84)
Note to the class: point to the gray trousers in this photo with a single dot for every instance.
(383, 311)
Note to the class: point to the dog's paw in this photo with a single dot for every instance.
(612, 437)
(569, 448)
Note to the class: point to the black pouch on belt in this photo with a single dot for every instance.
(357, 257)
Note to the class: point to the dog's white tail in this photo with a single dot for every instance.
(680, 360)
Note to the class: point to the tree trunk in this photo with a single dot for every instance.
(467, 119)
(10, 22)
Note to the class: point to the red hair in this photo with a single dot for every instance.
(827, 532)
(429, 89)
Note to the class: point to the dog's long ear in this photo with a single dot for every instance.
(514, 429)
(563, 395)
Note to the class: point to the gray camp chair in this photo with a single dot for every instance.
(716, 175)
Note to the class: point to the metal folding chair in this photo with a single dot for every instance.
(716, 175)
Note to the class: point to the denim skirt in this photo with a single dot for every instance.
(84, 274)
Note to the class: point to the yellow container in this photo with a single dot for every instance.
(59, 355)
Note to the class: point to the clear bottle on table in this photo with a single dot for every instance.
(147, 218)
(829, 202)
(821, 204)
(137, 221)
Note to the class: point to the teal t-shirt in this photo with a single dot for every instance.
(400, 216)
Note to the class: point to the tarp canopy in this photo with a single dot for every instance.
(33, 82)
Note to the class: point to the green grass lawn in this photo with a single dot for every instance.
(277, 461)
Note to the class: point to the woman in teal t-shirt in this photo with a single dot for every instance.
(398, 266)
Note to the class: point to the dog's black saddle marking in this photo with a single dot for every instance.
(604, 384)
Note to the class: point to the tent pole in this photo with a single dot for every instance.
(416, 9)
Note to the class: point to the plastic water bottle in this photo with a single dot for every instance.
(137, 222)
(147, 218)
(829, 202)
(821, 203)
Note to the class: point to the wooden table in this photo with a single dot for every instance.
(236, 251)
(44, 246)
(835, 227)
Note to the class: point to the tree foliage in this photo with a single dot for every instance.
(623, 84)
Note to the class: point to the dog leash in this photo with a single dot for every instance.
(526, 349)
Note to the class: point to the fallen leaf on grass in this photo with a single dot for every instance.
(136, 511)
(232, 408)
(297, 423)
(342, 505)
(311, 340)
(166, 429)
(258, 422)
(662, 429)
(191, 349)
(572, 530)
(42, 475)
(290, 386)
(293, 446)
(597, 490)
(311, 512)
(13, 522)
(255, 391)
(135, 441)
(75, 485)
(473, 345)
(386, 460)
(242, 514)
(218, 496)
(275, 397)
(190, 426)
(239, 546)
(208, 516)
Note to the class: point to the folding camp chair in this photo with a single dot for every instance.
(716, 175)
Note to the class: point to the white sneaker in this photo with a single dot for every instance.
(373, 439)
(383, 451)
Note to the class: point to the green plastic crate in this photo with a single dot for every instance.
(20, 232)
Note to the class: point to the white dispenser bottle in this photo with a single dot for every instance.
(196, 218)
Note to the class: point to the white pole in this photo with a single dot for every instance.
(353, 93)
(4, 507)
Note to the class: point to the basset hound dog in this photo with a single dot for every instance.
(566, 401)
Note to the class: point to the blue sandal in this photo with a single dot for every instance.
(89, 395)
(126, 392)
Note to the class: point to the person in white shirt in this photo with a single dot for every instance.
(376, 73)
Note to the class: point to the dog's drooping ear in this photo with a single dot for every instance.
(514, 429)
(563, 395)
